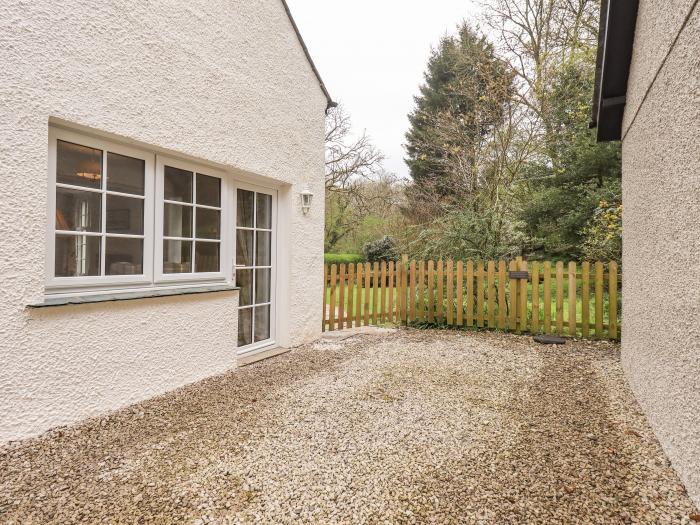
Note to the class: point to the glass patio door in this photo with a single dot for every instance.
(255, 219)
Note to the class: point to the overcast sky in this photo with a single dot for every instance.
(372, 54)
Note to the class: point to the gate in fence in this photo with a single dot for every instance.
(515, 296)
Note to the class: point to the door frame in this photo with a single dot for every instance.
(255, 347)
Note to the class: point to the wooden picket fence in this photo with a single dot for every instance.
(516, 296)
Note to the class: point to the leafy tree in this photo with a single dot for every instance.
(463, 234)
(536, 37)
(562, 189)
(501, 159)
(551, 45)
(372, 211)
(603, 234)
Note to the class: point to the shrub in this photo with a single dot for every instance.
(383, 249)
(343, 258)
(603, 234)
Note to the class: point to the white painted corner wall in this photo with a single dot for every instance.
(226, 83)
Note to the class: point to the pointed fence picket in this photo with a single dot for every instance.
(516, 296)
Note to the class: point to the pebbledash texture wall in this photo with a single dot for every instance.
(661, 256)
(226, 82)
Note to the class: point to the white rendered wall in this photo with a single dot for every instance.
(222, 81)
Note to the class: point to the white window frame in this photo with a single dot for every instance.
(152, 276)
(61, 284)
(256, 346)
(224, 227)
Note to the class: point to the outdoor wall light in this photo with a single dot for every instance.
(306, 198)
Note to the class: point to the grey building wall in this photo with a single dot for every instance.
(661, 221)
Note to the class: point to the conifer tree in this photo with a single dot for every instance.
(462, 99)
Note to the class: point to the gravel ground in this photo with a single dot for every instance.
(405, 427)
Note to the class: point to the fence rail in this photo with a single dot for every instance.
(516, 296)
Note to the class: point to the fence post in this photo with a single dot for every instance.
(341, 298)
(460, 293)
(421, 291)
(491, 293)
(404, 287)
(547, 297)
(513, 292)
(480, 294)
(390, 293)
(382, 309)
(431, 291)
(358, 294)
(368, 277)
(502, 308)
(523, 298)
(585, 298)
(325, 300)
(397, 287)
(440, 291)
(612, 300)
(450, 288)
(572, 298)
(375, 292)
(331, 312)
(351, 294)
(599, 299)
(535, 297)
(470, 294)
(560, 298)
(412, 292)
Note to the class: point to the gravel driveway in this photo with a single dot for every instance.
(405, 427)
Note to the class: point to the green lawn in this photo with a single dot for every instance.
(362, 293)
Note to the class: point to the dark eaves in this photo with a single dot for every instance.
(618, 19)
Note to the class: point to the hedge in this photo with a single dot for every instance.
(343, 258)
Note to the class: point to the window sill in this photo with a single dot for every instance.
(132, 295)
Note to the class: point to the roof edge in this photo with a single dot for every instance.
(599, 61)
(329, 99)
(618, 20)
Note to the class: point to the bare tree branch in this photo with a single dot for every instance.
(348, 159)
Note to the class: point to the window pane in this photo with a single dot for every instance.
(262, 323)
(208, 223)
(262, 286)
(244, 247)
(262, 249)
(206, 257)
(178, 184)
(78, 210)
(125, 174)
(263, 211)
(208, 190)
(78, 165)
(177, 256)
(124, 215)
(123, 256)
(177, 220)
(244, 279)
(77, 255)
(245, 326)
(244, 208)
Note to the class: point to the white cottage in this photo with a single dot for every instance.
(153, 160)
